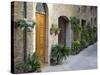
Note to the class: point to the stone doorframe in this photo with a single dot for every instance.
(68, 30)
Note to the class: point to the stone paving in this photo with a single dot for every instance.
(86, 59)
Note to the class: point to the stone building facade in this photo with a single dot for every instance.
(88, 14)
(19, 13)
(54, 13)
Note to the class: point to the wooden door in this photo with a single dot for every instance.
(62, 34)
(40, 35)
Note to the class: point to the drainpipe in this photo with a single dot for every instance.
(25, 33)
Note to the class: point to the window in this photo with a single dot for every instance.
(40, 8)
(83, 23)
(83, 8)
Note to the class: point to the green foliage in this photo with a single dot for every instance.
(91, 35)
(76, 45)
(24, 23)
(32, 63)
(75, 24)
(58, 52)
(88, 35)
(76, 27)
(95, 33)
(54, 29)
(94, 29)
(83, 43)
(74, 20)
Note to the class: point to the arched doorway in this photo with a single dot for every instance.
(64, 33)
(41, 31)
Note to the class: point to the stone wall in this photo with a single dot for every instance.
(19, 37)
(87, 13)
(55, 11)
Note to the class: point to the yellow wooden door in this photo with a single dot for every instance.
(40, 35)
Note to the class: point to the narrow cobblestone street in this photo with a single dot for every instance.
(86, 59)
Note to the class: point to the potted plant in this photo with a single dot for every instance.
(76, 45)
(32, 64)
(57, 31)
(54, 29)
(58, 53)
(25, 24)
(83, 43)
(65, 51)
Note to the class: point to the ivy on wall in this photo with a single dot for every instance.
(88, 35)
(76, 27)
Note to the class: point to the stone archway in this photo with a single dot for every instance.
(64, 35)
(41, 31)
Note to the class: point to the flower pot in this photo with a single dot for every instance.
(53, 62)
(59, 61)
(38, 70)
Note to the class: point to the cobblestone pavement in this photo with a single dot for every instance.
(86, 59)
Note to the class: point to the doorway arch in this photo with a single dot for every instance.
(41, 32)
(63, 24)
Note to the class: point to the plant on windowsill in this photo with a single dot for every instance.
(54, 29)
(58, 53)
(25, 24)
(32, 64)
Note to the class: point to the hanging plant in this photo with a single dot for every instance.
(57, 31)
(54, 29)
(25, 24)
